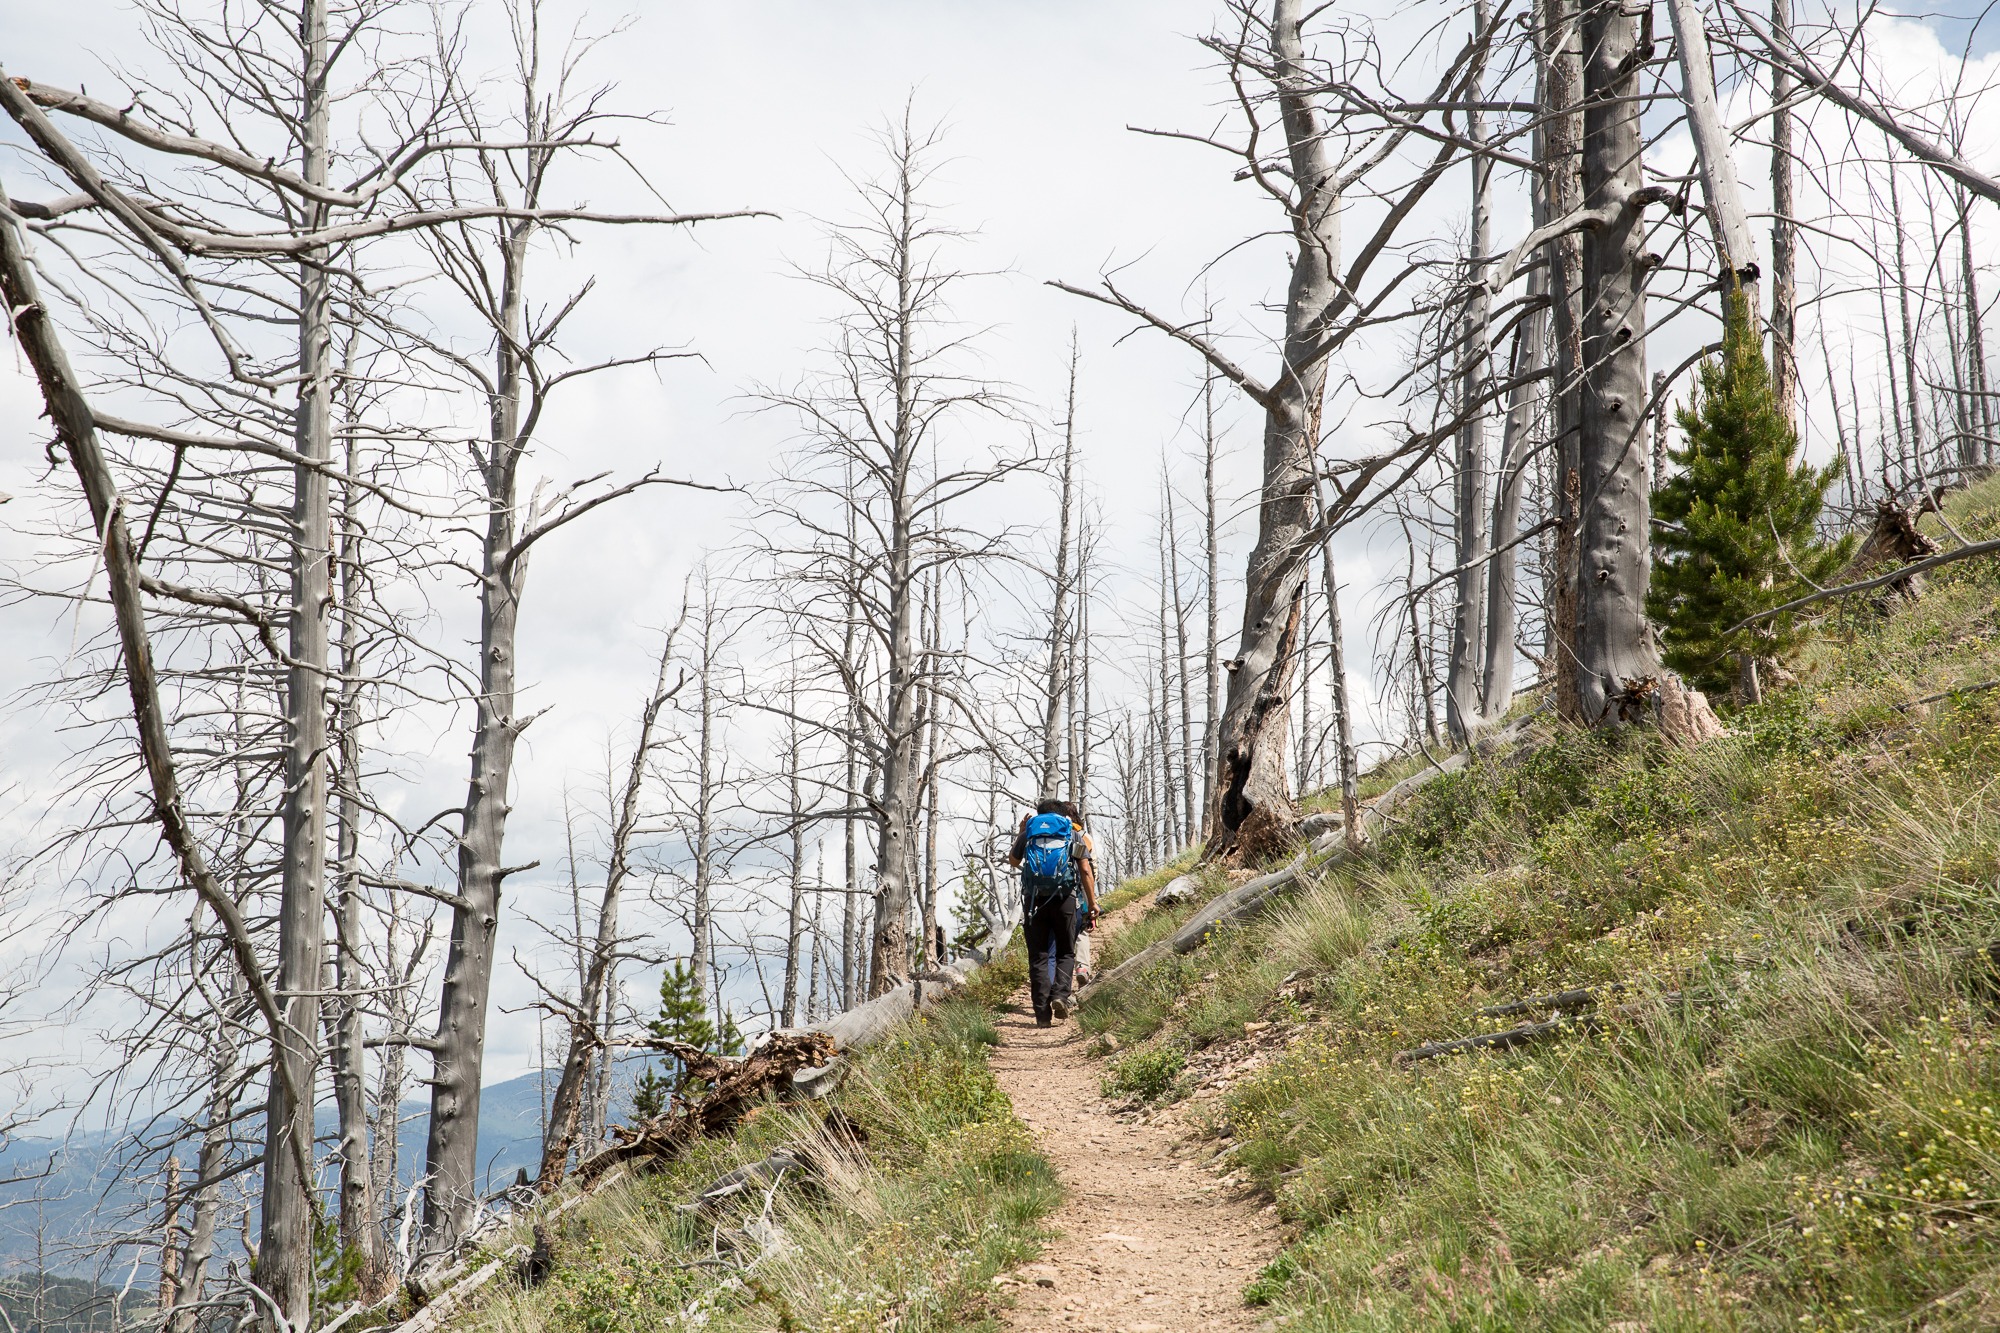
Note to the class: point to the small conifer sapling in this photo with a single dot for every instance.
(1738, 531)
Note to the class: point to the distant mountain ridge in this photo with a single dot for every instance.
(74, 1189)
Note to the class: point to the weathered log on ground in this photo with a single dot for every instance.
(1501, 1041)
(734, 1087)
(1563, 1002)
(1524, 1033)
(1251, 900)
(866, 1025)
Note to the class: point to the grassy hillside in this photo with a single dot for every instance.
(1785, 1111)
(920, 1186)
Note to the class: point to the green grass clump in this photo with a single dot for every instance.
(1788, 1113)
(929, 1187)
(1149, 1073)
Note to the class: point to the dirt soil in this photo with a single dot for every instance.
(1152, 1241)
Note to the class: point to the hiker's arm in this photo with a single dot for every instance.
(1087, 872)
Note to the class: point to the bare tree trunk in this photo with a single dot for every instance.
(1176, 830)
(1464, 704)
(889, 948)
(1784, 231)
(1183, 752)
(1516, 449)
(1562, 100)
(1614, 644)
(1714, 161)
(1304, 743)
(1059, 627)
(930, 954)
(795, 863)
(1985, 413)
(1211, 665)
(1343, 730)
(584, 1048)
(701, 911)
(285, 1238)
(1255, 814)
(358, 1231)
(1912, 395)
(850, 943)
(451, 1150)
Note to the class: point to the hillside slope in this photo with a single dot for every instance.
(1777, 1107)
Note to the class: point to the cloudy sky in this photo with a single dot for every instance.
(769, 106)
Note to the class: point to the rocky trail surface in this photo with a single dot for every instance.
(1151, 1241)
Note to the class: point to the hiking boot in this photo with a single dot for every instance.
(1060, 1009)
(1043, 1021)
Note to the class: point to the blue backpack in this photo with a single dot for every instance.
(1048, 869)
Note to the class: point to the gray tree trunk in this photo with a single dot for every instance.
(285, 1238)
(1255, 814)
(1985, 412)
(1060, 644)
(1784, 231)
(359, 1233)
(795, 915)
(1560, 144)
(1465, 705)
(1211, 664)
(1615, 652)
(1715, 162)
(584, 1050)
(1516, 448)
(452, 1145)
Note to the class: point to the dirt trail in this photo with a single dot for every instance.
(1151, 1241)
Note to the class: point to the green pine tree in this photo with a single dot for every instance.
(683, 1018)
(1740, 514)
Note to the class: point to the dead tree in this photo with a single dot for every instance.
(867, 510)
(486, 257)
(585, 1047)
(1465, 705)
(1615, 652)
(1325, 156)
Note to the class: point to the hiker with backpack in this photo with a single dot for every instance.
(1054, 856)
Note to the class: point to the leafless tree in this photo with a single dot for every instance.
(1338, 141)
(867, 513)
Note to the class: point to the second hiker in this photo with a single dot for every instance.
(1054, 855)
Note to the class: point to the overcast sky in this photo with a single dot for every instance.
(769, 104)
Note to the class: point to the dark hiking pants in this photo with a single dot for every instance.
(1050, 929)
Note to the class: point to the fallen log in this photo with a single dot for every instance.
(1569, 1001)
(1250, 900)
(1521, 1034)
(734, 1085)
(866, 1025)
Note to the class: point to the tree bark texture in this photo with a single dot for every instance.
(1255, 815)
(1558, 144)
(285, 1238)
(1715, 162)
(452, 1145)
(1465, 705)
(1784, 230)
(1614, 644)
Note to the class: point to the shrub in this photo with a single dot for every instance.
(1149, 1073)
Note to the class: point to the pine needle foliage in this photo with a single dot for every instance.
(683, 1018)
(1741, 513)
